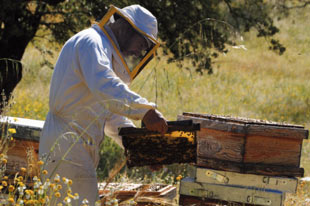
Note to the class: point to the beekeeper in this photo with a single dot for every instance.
(89, 95)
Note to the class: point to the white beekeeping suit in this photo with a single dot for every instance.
(89, 97)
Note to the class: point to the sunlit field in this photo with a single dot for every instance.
(249, 81)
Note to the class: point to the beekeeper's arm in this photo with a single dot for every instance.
(113, 123)
(114, 95)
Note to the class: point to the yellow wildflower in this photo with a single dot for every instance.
(42, 201)
(5, 177)
(12, 130)
(69, 190)
(76, 196)
(178, 178)
(59, 204)
(11, 200)
(44, 172)
(40, 163)
(57, 194)
(11, 188)
(29, 202)
(65, 180)
(70, 195)
(70, 182)
(4, 183)
(22, 169)
(67, 200)
(59, 187)
(4, 161)
(57, 178)
(1, 187)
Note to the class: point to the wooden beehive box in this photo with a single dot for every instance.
(247, 145)
(25, 145)
(144, 147)
(210, 187)
(225, 178)
(186, 200)
(231, 193)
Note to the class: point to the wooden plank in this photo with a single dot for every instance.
(277, 132)
(186, 200)
(260, 169)
(21, 154)
(231, 194)
(241, 120)
(210, 176)
(272, 151)
(26, 129)
(220, 145)
(216, 125)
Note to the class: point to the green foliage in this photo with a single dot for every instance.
(110, 155)
(197, 30)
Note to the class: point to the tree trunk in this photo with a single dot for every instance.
(10, 75)
(18, 26)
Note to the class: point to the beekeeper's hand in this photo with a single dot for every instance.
(155, 121)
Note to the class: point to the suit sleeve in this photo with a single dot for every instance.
(113, 124)
(114, 95)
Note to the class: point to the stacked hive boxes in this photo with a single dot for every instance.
(25, 146)
(244, 161)
(208, 185)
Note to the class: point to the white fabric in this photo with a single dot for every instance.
(86, 99)
(142, 18)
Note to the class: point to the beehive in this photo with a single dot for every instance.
(231, 193)
(26, 141)
(247, 145)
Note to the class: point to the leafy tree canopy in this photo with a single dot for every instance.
(196, 29)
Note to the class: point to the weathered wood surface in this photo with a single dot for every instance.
(240, 120)
(248, 145)
(246, 168)
(236, 147)
(217, 144)
(210, 176)
(186, 200)
(150, 194)
(246, 195)
(26, 129)
(21, 154)
(26, 142)
(144, 147)
(272, 151)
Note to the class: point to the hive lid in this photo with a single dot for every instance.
(241, 120)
